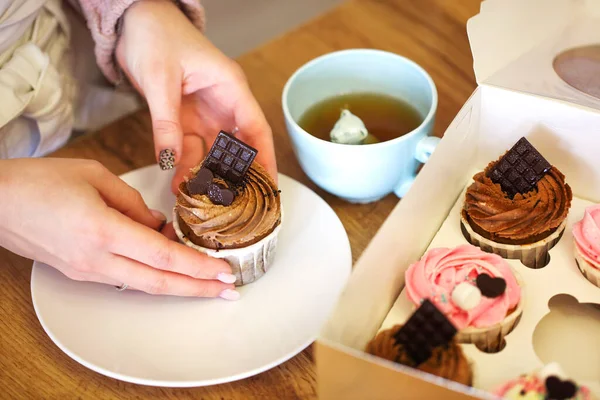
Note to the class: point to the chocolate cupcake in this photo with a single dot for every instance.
(235, 215)
(517, 207)
(425, 342)
(448, 362)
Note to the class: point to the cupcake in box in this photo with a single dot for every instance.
(425, 342)
(517, 207)
(477, 291)
(230, 208)
(586, 235)
(547, 383)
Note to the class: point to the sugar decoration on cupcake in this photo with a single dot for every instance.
(520, 169)
(225, 167)
(426, 329)
(466, 296)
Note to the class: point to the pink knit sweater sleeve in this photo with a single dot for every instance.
(102, 17)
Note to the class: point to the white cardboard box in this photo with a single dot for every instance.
(514, 44)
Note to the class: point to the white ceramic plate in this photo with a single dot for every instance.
(183, 342)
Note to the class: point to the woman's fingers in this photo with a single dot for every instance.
(154, 281)
(161, 86)
(122, 197)
(169, 232)
(193, 154)
(149, 247)
(253, 126)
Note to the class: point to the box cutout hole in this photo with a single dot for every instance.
(570, 335)
(491, 350)
(580, 68)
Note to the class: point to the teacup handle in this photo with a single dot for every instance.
(424, 150)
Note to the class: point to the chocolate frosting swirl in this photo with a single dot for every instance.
(254, 213)
(446, 362)
(527, 218)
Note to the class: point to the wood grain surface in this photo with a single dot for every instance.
(431, 32)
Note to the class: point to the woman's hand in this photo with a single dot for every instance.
(84, 221)
(192, 89)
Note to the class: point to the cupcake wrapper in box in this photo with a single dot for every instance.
(534, 255)
(248, 263)
(590, 272)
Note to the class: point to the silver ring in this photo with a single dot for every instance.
(235, 130)
(122, 287)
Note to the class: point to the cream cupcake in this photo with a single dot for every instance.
(477, 291)
(544, 384)
(586, 235)
(517, 207)
(234, 219)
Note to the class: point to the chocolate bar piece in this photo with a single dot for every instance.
(230, 158)
(425, 330)
(520, 169)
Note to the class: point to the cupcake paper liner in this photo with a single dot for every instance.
(490, 339)
(248, 263)
(588, 270)
(534, 255)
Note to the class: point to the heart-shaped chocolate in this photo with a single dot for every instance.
(219, 194)
(557, 389)
(490, 287)
(202, 183)
(199, 183)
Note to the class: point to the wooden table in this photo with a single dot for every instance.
(431, 32)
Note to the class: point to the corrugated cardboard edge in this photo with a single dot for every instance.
(352, 375)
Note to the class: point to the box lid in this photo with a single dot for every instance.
(549, 48)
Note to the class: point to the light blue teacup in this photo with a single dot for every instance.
(361, 173)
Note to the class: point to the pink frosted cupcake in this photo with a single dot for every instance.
(477, 291)
(546, 383)
(586, 234)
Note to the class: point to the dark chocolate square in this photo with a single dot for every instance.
(503, 166)
(229, 157)
(239, 166)
(521, 166)
(520, 169)
(228, 160)
(218, 153)
(512, 158)
(246, 155)
(512, 175)
(426, 329)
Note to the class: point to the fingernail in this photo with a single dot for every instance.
(158, 215)
(226, 278)
(230, 294)
(166, 159)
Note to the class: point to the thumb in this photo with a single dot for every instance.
(162, 90)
